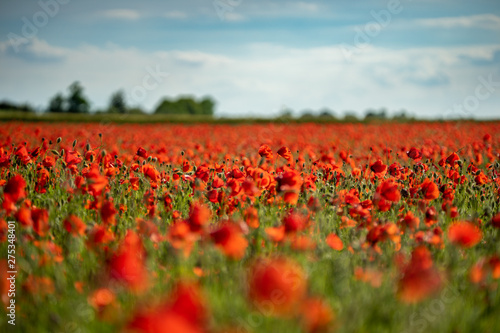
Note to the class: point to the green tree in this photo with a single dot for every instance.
(186, 105)
(166, 107)
(207, 106)
(117, 103)
(77, 103)
(57, 104)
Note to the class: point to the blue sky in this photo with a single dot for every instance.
(438, 58)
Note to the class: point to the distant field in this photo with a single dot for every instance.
(179, 119)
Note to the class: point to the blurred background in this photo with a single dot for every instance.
(253, 58)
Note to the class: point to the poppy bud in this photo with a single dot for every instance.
(74, 143)
(59, 139)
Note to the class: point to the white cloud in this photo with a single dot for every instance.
(262, 78)
(121, 14)
(306, 6)
(175, 14)
(483, 21)
(233, 17)
(33, 48)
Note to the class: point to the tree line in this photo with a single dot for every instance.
(75, 101)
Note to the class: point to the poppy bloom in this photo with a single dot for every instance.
(410, 221)
(181, 238)
(378, 168)
(142, 152)
(388, 190)
(127, 263)
(199, 215)
(316, 315)
(150, 171)
(419, 278)
(265, 151)
(102, 300)
(230, 240)
(452, 159)
(414, 154)
(38, 285)
(40, 218)
(14, 189)
(285, 153)
(23, 155)
(369, 275)
(429, 190)
(294, 222)
(464, 234)
(108, 213)
(334, 242)
(99, 235)
(184, 312)
(290, 183)
(252, 217)
(495, 221)
(96, 182)
(74, 225)
(276, 286)
(72, 158)
(23, 215)
(484, 267)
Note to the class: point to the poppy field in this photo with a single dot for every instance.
(382, 227)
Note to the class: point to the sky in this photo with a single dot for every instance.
(433, 58)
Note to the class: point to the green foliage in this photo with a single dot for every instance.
(186, 105)
(117, 103)
(77, 103)
(57, 104)
(9, 106)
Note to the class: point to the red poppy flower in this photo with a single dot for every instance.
(388, 190)
(378, 168)
(230, 240)
(127, 263)
(184, 312)
(464, 234)
(97, 183)
(108, 213)
(74, 225)
(276, 286)
(285, 153)
(452, 159)
(265, 151)
(334, 242)
(429, 189)
(40, 219)
(142, 152)
(252, 217)
(495, 221)
(199, 215)
(316, 315)
(14, 189)
(419, 278)
(294, 222)
(414, 154)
